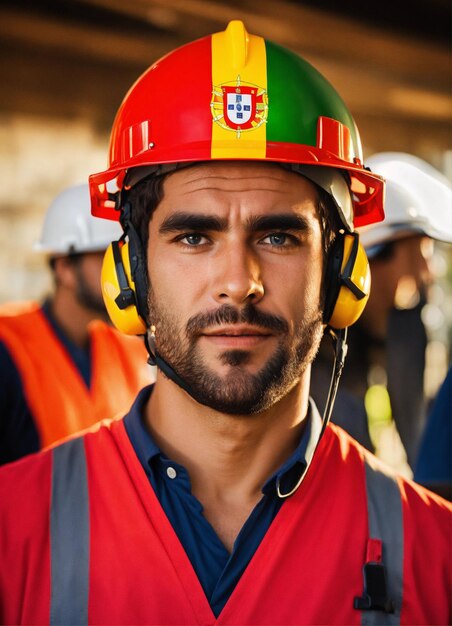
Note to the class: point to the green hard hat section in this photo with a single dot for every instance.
(298, 95)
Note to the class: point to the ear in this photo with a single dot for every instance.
(348, 281)
(119, 290)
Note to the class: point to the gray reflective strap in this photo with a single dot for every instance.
(384, 505)
(69, 536)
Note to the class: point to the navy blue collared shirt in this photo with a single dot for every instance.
(218, 571)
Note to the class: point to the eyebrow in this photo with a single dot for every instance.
(277, 221)
(180, 222)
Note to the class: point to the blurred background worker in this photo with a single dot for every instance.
(62, 367)
(434, 461)
(388, 344)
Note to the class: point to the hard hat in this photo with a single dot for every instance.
(418, 199)
(233, 95)
(69, 227)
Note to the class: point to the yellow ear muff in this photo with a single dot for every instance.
(353, 283)
(118, 290)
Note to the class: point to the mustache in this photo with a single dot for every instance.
(228, 314)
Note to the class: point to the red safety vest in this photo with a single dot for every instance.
(84, 540)
(58, 398)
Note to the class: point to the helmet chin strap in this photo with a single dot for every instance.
(156, 359)
(339, 338)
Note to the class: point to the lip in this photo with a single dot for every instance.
(237, 330)
(237, 336)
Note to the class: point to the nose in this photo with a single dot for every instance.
(237, 280)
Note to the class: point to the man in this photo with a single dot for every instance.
(400, 250)
(58, 360)
(434, 462)
(202, 506)
(388, 343)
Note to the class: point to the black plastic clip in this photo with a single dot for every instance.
(375, 596)
(126, 296)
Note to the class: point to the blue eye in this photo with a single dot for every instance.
(193, 239)
(283, 241)
(277, 239)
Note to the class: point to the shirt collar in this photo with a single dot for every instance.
(287, 476)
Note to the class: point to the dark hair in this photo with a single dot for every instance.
(144, 198)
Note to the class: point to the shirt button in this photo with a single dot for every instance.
(171, 472)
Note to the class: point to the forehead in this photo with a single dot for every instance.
(248, 184)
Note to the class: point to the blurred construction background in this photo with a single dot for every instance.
(66, 65)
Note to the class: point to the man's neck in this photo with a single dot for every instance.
(229, 457)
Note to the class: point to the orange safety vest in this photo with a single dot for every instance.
(84, 540)
(56, 394)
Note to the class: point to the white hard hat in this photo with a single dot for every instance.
(418, 199)
(69, 227)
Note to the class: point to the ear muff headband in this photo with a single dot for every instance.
(348, 280)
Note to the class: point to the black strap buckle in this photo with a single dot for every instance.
(375, 596)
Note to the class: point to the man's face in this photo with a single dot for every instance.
(402, 279)
(235, 266)
(88, 290)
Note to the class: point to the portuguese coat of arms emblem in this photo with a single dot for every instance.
(239, 106)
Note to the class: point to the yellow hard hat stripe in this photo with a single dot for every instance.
(238, 60)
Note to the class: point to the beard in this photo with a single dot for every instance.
(238, 392)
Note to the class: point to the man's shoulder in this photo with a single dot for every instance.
(17, 309)
(27, 482)
(24, 480)
(24, 320)
(93, 436)
(418, 497)
(30, 468)
(347, 444)
(413, 494)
